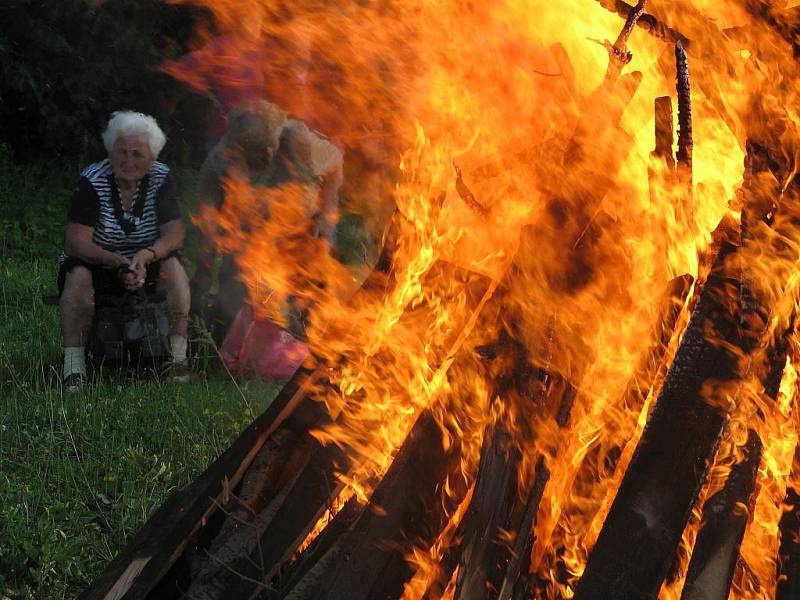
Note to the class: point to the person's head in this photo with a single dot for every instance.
(133, 141)
(254, 132)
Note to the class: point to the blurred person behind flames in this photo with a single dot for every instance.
(123, 233)
(228, 69)
(262, 148)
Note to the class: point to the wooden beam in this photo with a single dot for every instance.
(163, 538)
(722, 528)
(669, 465)
(408, 509)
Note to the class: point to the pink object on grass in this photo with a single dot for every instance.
(257, 346)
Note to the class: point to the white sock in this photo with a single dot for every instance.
(74, 361)
(177, 346)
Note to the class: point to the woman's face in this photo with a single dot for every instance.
(131, 158)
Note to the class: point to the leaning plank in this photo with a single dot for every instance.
(274, 537)
(483, 553)
(516, 582)
(408, 509)
(725, 514)
(670, 462)
(722, 527)
(310, 570)
(789, 552)
(288, 522)
(249, 518)
(163, 538)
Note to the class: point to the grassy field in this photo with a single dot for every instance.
(80, 473)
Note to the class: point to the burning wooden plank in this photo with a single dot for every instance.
(669, 465)
(789, 553)
(724, 519)
(646, 21)
(408, 508)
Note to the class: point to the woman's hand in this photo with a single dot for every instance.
(138, 267)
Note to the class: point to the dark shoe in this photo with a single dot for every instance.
(178, 372)
(74, 382)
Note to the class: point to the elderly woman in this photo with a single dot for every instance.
(124, 232)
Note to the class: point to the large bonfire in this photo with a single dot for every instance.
(572, 373)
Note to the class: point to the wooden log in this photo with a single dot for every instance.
(483, 554)
(504, 504)
(725, 517)
(517, 583)
(652, 359)
(244, 526)
(646, 21)
(683, 155)
(664, 136)
(408, 509)
(290, 519)
(604, 460)
(715, 555)
(789, 552)
(618, 54)
(157, 545)
(310, 571)
(638, 540)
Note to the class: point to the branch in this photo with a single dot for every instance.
(646, 21)
(684, 154)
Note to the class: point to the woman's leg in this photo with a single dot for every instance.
(77, 309)
(175, 284)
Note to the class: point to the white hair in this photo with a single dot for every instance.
(127, 122)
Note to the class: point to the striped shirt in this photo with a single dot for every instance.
(96, 203)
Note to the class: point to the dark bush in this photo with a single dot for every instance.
(65, 65)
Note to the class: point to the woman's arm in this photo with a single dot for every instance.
(172, 234)
(171, 239)
(79, 242)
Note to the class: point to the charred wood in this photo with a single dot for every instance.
(499, 524)
(618, 53)
(408, 509)
(649, 370)
(290, 518)
(684, 154)
(517, 582)
(484, 555)
(311, 567)
(663, 131)
(673, 454)
(789, 552)
(466, 194)
(646, 21)
(652, 361)
(725, 517)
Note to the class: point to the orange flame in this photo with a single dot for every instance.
(565, 243)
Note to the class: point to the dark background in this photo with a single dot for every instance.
(65, 65)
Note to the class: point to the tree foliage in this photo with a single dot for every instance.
(65, 65)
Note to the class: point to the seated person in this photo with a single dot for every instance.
(268, 150)
(124, 230)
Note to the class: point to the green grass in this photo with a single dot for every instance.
(80, 473)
